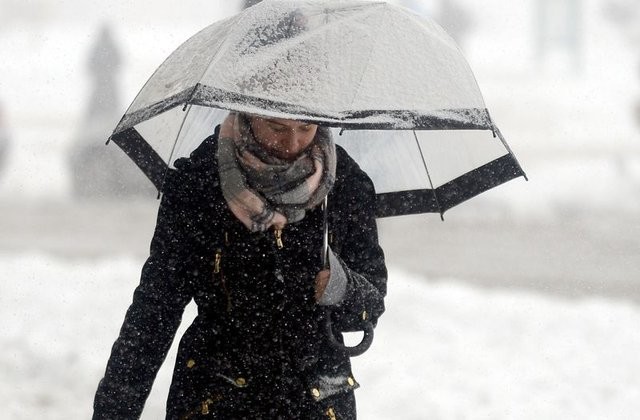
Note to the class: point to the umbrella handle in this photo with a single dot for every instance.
(354, 351)
(367, 339)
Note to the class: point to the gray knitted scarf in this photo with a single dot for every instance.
(262, 190)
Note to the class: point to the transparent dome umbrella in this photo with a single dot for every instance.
(396, 88)
(410, 108)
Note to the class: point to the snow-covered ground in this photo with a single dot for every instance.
(443, 350)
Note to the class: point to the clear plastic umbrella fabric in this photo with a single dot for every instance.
(397, 88)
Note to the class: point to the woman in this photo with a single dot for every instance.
(240, 230)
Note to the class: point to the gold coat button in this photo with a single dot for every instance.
(315, 392)
(351, 381)
(191, 363)
(364, 315)
(241, 382)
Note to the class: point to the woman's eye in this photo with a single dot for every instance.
(278, 129)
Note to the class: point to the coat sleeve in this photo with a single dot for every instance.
(360, 254)
(152, 319)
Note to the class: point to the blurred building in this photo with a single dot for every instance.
(559, 33)
(452, 15)
(4, 140)
(625, 14)
(99, 170)
(15, 13)
(456, 20)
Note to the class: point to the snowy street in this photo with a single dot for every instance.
(444, 350)
(496, 320)
(583, 255)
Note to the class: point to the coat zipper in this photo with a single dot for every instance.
(217, 260)
(205, 407)
(331, 413)
(278, 234)
(217, 270)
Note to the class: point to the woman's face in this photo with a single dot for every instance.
(284, 139)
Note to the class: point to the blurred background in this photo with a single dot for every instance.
(523, 303)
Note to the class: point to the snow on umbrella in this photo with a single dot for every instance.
(405, 100)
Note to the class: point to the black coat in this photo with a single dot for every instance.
(258, 347)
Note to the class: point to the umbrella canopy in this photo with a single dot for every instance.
(394, 80)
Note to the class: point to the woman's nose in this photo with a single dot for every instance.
(294, 140)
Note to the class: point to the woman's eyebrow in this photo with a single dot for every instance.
(302, 124)
(275, 122)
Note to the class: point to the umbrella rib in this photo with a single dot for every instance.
(424, 162)
(374, 43)
(175, 143)
(223, 46)
(496, 131)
